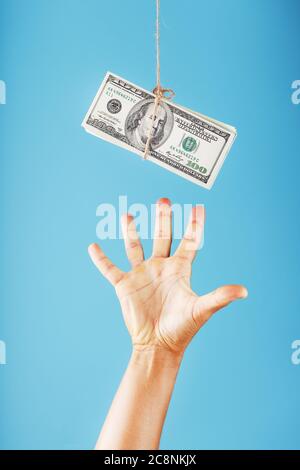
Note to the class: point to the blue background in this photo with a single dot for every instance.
(67, 346)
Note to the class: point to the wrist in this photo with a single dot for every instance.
(156, 357)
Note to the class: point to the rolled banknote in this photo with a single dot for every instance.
(182, 141)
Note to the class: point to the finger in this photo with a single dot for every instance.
(105, 266)
(163, 228)
(132, 242)
(193, 235)
(210, 303)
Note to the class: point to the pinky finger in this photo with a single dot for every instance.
(104, 264)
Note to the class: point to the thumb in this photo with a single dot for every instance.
(208, 304)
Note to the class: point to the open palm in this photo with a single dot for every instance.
(159, 307)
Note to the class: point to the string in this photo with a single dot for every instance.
(159, 92)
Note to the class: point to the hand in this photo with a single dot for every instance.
(159, 307)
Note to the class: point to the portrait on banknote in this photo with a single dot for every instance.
(140, 121)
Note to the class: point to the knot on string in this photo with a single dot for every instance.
(166, 93)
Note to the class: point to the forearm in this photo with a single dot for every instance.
(138, 411)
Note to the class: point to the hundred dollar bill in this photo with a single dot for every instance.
(183, 141)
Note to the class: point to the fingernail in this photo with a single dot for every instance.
(164, 200)
(244, 293)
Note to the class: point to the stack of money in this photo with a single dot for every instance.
(182, 141)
